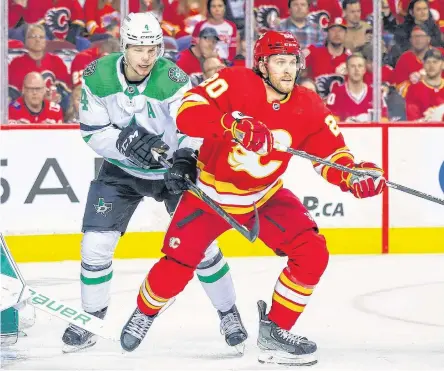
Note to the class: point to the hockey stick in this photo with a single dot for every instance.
(250, 235)
(80, 318)
(399, 187)
(51, 305)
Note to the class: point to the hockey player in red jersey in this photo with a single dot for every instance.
(241, 113)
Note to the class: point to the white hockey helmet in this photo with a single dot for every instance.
(141, 29)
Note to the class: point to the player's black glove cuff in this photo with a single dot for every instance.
(136, 143)
(184, 165)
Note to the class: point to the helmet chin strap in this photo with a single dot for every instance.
(269, 83)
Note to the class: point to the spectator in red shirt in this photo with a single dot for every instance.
(226, 30)
(51, 67)
(409, 68)
(425, 100)
(63, 19)
(100, 13)
(352, 101)
(418, 15)
(329, 60)
(183, 15)
(32, 107)
(190, 60)
(16, 12)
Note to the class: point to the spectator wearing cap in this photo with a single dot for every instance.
(297, 23)
(190, 60)
(418, 15)
(356, 28)
(409, 68)
(425, 100)
(226, 30)
(324, 61)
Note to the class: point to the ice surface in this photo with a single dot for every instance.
(368, 313)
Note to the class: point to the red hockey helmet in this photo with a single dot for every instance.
(275, 42)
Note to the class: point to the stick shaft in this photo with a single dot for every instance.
(249, 235)
(393, 185)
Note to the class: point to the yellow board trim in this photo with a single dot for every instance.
(134, 245)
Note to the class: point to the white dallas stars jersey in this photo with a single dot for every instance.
(108, 104)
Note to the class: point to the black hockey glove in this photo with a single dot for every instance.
(136, 143)
(184, 164)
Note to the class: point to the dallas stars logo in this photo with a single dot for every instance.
(103, 207)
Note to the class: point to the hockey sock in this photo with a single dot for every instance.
(289, 300)
(148, 302)
(95, 283)
(166, 279)
(214, 275)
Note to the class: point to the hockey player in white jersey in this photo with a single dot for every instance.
(128, 106)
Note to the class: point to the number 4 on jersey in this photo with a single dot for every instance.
(84, 100)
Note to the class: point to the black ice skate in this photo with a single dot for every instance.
(135, 330)
(280, 346)
(232, 327)
(76, 338)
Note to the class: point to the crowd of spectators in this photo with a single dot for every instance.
(52, 41)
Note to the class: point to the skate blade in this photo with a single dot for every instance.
(286, 359)
(77, 348)
(240, 348)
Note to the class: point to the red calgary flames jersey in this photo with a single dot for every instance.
(229, 174)
(347, 107)
(51, 67)
(319, 61)
(55, 14)
(408, 63)
(421, 97)
(98, 18)
(51, 113)
(79, 63)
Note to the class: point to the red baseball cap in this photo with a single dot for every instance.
(338, 21)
